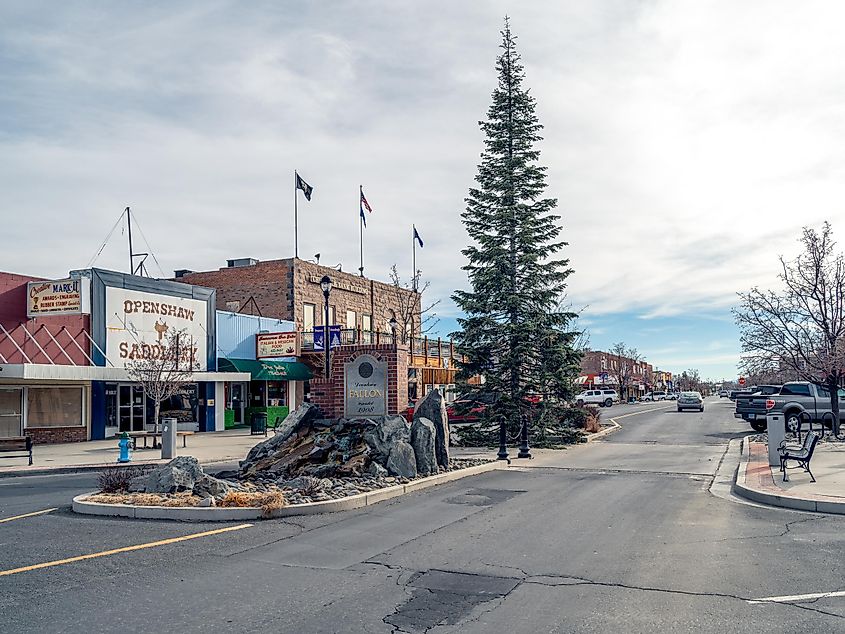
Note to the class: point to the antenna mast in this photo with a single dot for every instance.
(141, 269)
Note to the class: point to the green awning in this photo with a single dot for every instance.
(266, 369)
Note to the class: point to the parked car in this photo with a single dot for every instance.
(752, 407)
(654, 396)
(690, 400)
(603, 398)
(798, 397)
(734, 393)
(671, 396)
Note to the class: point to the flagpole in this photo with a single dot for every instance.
(295, 219)
(361, 225)
(414, 271)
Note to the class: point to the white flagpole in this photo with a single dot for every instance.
(361, 225)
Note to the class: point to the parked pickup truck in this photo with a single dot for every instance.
(800, 396)
(752, 407)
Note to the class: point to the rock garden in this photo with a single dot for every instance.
(309, 459)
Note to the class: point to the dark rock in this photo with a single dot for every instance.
(423, 436)
(433, 407)
(384, 434)
(401, 461)
(376, 470)
(301, 417)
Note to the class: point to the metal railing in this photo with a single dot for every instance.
(422, 351)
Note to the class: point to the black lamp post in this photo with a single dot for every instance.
(326, 285)
(393, 325)
(524, 449)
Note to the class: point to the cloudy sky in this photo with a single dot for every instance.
(687, 142)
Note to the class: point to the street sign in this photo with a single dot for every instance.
(334, 337)
(742, 380)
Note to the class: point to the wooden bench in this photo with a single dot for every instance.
(135, 435)
(802, 455)
(17, 444)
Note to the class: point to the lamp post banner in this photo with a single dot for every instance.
(365, 387)
(334, 338)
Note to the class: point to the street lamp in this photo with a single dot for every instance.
(326, 285)
(393, 325)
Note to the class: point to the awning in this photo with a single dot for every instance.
(266, 369)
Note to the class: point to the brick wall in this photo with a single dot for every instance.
(279, 289)
(328, 395)
(52, 435)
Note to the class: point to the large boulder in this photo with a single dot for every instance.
(423, 436)
(180, 474)
(302, 417)
(384, 434)
(433, 407)
(401, 461)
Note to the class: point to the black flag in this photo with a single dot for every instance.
(305, 187)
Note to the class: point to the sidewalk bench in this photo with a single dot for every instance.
(135, 435)
(802, 455)
(17, 444)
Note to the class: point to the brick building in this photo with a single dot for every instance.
(290, 289)
(603, 369)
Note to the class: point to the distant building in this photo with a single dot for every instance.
(601, 369)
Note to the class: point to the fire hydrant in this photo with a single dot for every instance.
(125, 445)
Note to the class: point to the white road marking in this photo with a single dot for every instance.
(797, 598)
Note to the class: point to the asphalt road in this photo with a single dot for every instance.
(621, 535)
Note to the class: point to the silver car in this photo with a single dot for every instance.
(690, 400)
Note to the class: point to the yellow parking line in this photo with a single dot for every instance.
(125, 549)
(20, 517)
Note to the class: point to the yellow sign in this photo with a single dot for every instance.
(276, 344)
(58, 297)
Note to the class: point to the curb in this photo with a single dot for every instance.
(784, 500)
(218, 514)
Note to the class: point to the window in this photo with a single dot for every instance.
(54, 407)
(603, 363)
(795, 389)
(367, 327)
(351, 319)
(332, 316)
(308, 316)
(10, 411)
(276, 393)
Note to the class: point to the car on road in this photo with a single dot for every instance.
(602, 398)
(690, 400)
(723, 393)
(654, 396)
(671, 396)
(798, 400)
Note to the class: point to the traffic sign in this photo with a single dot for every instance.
(742, 380)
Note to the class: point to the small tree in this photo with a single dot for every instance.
(800, 328)
(413, 318)
(164, 368)
(690, 380)
(626, 359)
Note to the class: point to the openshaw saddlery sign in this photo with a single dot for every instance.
(276, 344)
(58, 297)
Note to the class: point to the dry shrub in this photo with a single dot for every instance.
(267, 502)
(116, 479)
(592, 424)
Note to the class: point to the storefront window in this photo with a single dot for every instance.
(54, 406)
(276, 393)
(10, 412)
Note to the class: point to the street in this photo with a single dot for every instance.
(621, 535)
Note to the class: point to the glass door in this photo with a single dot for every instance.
(238, 402)
(10, 412)
(130, 408)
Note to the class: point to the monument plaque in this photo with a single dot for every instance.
(365, 387)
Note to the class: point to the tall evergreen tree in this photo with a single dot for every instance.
(514, 334)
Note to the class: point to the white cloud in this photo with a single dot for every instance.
(687, 142)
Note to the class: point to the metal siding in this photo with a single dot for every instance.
(236, 333)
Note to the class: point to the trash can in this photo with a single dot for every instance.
(258, 423)
(168, 438)
(776, 433)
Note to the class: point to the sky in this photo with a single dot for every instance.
(686, 142)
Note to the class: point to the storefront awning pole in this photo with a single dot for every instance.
(49, 334)
(38, 345)
(15, 343)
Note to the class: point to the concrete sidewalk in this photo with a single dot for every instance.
(207, 447)
(759, 482)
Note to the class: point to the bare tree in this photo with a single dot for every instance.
(690, 380)
(163, 369)
(625, 362)
(801, 327)
(413, 318)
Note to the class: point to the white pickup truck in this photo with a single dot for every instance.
(602, 398)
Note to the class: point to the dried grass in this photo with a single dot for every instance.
(592, 424)
(267, 502)
(146, 499)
